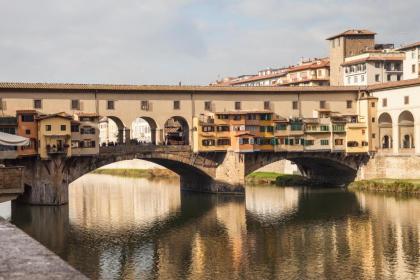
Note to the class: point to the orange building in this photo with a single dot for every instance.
(27, 127)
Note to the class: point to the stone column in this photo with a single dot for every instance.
(120, 136)
(127, 137)
(395, 135)
(46, 182)
(417, 138)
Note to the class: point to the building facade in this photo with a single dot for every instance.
(373, 67)
(411, 61)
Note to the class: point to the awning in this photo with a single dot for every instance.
(7, 139)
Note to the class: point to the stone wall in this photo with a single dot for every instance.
(11, 182)
(390, 166)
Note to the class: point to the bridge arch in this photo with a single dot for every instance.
(176, 131)
(385, 131)
(406, 130)
(145, 129)
(329, 168)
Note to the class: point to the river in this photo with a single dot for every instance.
(126, 228)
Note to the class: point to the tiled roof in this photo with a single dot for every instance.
(314, 65)
(409, 46)
(353, 32)
(259, 78)
(391, 85)
(373, 58)
(158, 89)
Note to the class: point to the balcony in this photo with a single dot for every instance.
(56, 149)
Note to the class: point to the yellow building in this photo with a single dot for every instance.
(54, 135)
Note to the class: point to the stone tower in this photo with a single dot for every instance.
(348, 43)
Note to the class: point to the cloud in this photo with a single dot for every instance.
(193, 41)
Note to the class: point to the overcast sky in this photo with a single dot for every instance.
(193, 41)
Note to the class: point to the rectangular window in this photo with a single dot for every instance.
(384, 102)
(27, 131)
(296, 126)
(237, 105)
(48, 127)
(144, 105)
(322, 104)
(27, 118)
(324, 142)
(177, 105)
(377, 64)
(266, 105)
(207, 105)
(413, 68)
(37, 104)
(373, 135)
(373, 119)
(373, 104)
(74, 128)
(223, 142)
(338, 142)
(63, 127)
(325, 128)
(208, 128)
(294, 105)
(110, 105)
(349, 104)
(377, 78)
(388, 77)
(406, 100)
(281, 126)
(75, 104)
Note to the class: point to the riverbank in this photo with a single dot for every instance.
(21, 257)
(136, 173)
(387, 185)
(278, 179)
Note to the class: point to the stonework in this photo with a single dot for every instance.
(390, 166)
(21, 257)
(11, 182)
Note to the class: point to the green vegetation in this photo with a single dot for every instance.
(137, 173)
(273, 178)
(411, 186)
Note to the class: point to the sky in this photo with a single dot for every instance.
(190, 41)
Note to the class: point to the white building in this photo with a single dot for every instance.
(140, 130)
(373, 67)
(108, 131)
(411, 61)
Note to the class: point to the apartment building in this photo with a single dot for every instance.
(312, 72)
(411, 61)
(349, 43)
(27, 126)
(85, 134)
(54, 135)
(373, 67)
(251, 131)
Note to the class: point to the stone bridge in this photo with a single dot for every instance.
(46, 181)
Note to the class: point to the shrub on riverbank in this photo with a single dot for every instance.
(387, 185)
(137, 173)
(273, 178)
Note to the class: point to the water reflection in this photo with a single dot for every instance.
(137, 229)
(113, 204)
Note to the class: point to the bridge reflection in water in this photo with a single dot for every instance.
(134, 228)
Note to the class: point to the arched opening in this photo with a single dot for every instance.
(385, 131)
(112, 131)
(176, 131)
(386, 142)
(406, 131)
(143, 131)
